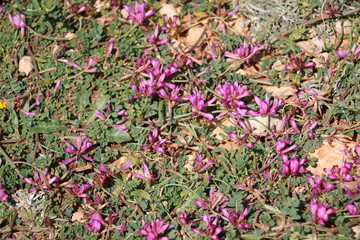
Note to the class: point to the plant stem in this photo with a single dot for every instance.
(46, 37)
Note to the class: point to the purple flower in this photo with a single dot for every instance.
(212, 230)
(96, 222)
(89, 64)
(357, 150)
(200, 165)
(74, 190)
(153, 229)
(293, 165)
(352, 208)
(297, 63)
(231, 94)
(244, 51)
(155, 39)
(81, 146)
(171, 22)
(147, 175)
(356, 51)
(156, 145)
(354, 193)
(343, 172)
(100, 114)
(138, 14)
(29, 114)
(39, 180)
(320, 212)
(182, 218)
(110, 48)
(236, 218)
(216, 201)
(71, 63)
(197, 99)
(18, 21)
(121, 228)
(2, 5)
(342, 53)
(83, 9)
(318, 185)
(282, 146)
(264, 106)
(3, 195)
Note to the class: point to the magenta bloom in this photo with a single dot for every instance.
(200, 165)
(216, 201)
(81, 146)
(244, 51)
(138, 14)
(182, 218)
(320, 212)
(352, 208)
(18, 21)
(153, 229)
(74, 190)
(212, 230)
(156, 145)
(155, 39)
(96, 222)
(293, 165)
(264, 106)
(231, 94)
(236, 218)
(319, 185)
(3, 195)
(282, 146)
(356, 51)
(147, 175)
(39, 181)
(343, 172)
(197, 99)
(342, 53)
(298, 63)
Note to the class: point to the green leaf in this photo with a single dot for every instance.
(116, 135)
(48, 127)
(141, 194)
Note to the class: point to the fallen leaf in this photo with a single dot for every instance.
(78, 216)
(70, 36)
(346, 27)
(280, 92)
(314, 46)
(195, 34)
(25, 65)
(260, 124)
(240, 26)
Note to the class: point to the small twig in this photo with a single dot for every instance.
(46, 37)
(318, 19)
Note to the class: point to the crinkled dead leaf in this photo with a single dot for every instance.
(70, 36)
(344, 28)
(195, 34)
(260, 124)
(280, 92)
(78, 216)
(314, 46)
(26, 65)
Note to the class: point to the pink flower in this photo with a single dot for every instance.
(343, 53)
(216, 201)
(236, 218)
(83, 9)
(231, 94)
(18, 21)
(3, 195)
(212, 230)
(156, 145)
(298, 63)
(155, 39)
(293, 165)
(147, 175)
(318, 185)
(197, 100)
(29, 114)
(74, 190)
(320, 212)
(138, 14)
(200, 165)
(244, 51)
(39, 180)
(110, 48)
(264, 106)
(81, 146)
(282, 146)
(356, 51)
(343, 172)
(96, 222)
(182, 218)
(153, 229)
(352, 208)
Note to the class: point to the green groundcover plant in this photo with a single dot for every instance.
(152, 120)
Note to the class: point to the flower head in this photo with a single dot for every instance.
(18, 21)
(197, 99)
(153, 229)
(212, 229)
(320, 212)
(41, 181)
(82, 144)
(3, 195)
(216, 201)
(298, 63)
(138, 14)
(96, 222)
(146, 175)
(244, 51)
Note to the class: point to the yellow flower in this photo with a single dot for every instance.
(3, 103)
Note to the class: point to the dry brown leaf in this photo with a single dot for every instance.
(314, 46)
(70, 36)
(117, 163)
(329, 155)
(240, 27)
(278, 65)
(218, 132)
(26, 65)
(346, 28)
(195, 34)
(280, 92)
(259, 124)
(78, 216)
